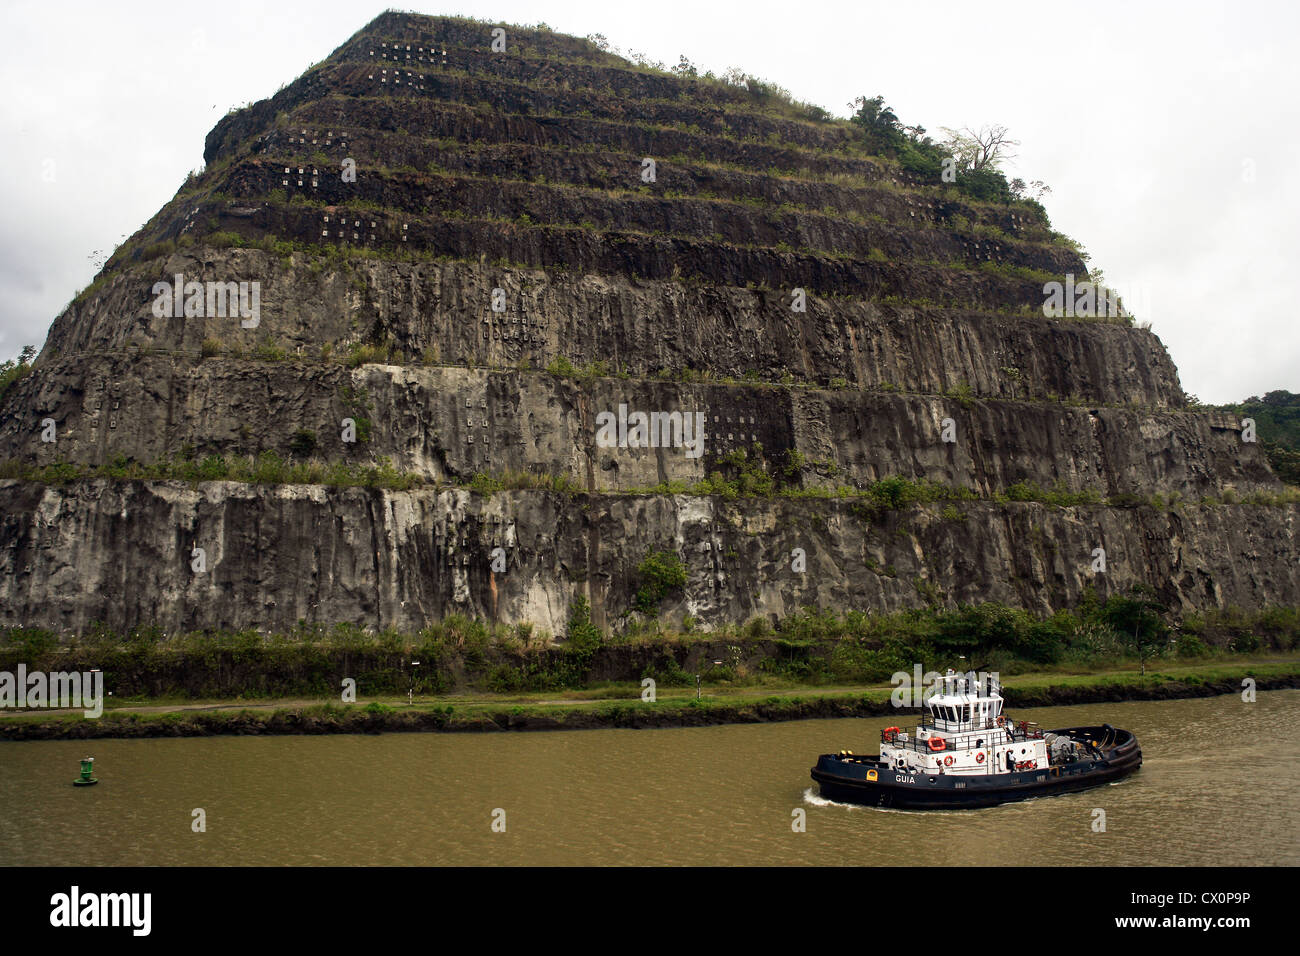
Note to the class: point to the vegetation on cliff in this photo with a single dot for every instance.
(1277, 417)
(12, 370)
(813, 647)
(738, 477)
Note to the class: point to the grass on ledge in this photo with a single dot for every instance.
(265, 469)
(747, 480)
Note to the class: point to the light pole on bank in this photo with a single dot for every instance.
(410, 694)
(697, 679)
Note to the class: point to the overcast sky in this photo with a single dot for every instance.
(1167, 131)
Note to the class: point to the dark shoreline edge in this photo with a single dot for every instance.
(363, 719)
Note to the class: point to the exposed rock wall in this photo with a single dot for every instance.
(121, 553)
(449, 423)
(518, 177)
(641, 328)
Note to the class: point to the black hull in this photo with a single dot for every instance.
(851, 780)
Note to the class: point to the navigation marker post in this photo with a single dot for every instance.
(87, 777)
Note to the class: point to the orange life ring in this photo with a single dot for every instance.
(890, 732)
(979, 757)
(937, 744)
(947, 761)
(1001, 721)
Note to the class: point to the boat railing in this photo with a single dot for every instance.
(943, 726)
(1023, 730)
(978, 739)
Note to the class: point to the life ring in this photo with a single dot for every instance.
(890, 732)
(979, 757)
(1001, 721)
(947, 761)
(937, 744)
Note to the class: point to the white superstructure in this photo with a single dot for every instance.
(965, 732)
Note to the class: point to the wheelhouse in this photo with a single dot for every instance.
(963, 703)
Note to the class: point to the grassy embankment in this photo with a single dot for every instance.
(473, 675)
(620, 705)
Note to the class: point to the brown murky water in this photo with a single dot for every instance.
(1220, 785)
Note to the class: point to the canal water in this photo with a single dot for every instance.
(1220, 785)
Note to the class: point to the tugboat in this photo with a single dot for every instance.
(966, 753)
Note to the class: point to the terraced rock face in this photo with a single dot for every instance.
(801, 323)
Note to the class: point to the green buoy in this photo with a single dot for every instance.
(87, 777)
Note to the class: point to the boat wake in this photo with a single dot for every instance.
(812, 798)
(815, 799)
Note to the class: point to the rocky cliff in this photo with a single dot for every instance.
(451, 264)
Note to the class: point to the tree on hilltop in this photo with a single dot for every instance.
(985, 148)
